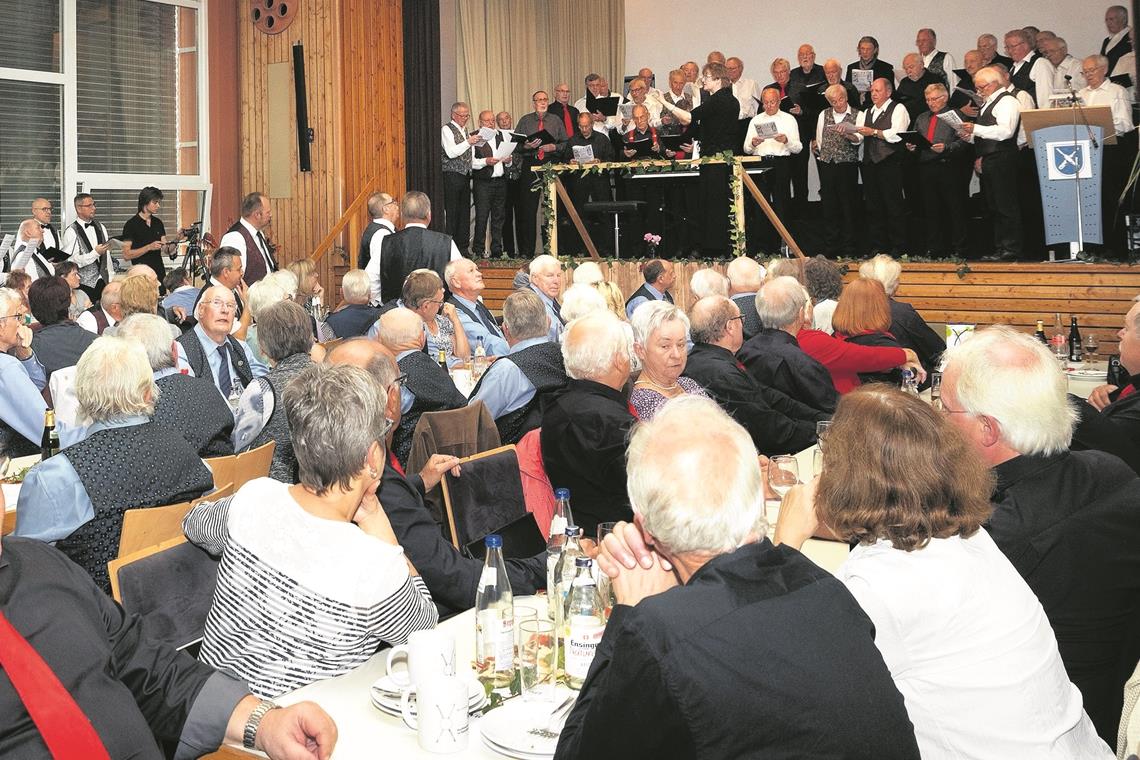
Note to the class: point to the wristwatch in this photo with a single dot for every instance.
(254, 721)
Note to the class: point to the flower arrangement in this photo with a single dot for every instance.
(651, 242)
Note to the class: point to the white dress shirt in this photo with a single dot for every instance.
(235, 240)
(748, 93)
(1127, 65)
(948, 65)
(1042, 76)
(447, 140)
(72, 247)
(785, 125)
(1071, 67)
(900, 120)
(836, 116)
(1115, 97)
(86, 320)
(1112, 41)
(505, 148)
(1025, 100)
(374, 247)
(1007, 114)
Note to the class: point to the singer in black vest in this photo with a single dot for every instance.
(455, 154)
(246, 237)
(81, 240)
(1019, 42)
(1117, 43)
(883, 170)
(414, 247)
(995, 144)
(384, 211)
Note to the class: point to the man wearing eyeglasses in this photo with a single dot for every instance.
(385, 213)
(41, 213)
(212, 352)
(22, 377)
(86, 242)
(226, 271)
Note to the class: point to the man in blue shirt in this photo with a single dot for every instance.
(659, 277)
(466, 283)
(210, 349)
(546, 282)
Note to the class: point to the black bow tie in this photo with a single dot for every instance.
(45, 226)
(89, 225)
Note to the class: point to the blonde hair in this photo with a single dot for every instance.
(139, 295)
(113, 380)
(615, 299)
(304, 269)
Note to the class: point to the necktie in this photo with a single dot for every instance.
(930, 129)
(1127, 391)
(566, 120)
(557, 310)
(498, 139)
(270, 264)
(486, 318)
(66, 731)
(225, 383)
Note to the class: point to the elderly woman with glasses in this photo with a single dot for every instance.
(966, 640)
(22, 377)
(423, 294)
(660, 339)
(312, 578)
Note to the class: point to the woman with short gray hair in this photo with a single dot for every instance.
(312, 578)
(660, 341)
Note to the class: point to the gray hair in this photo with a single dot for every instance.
(285, 280)
(781, 301)
(355, 286)
(399, 327)
(10, 298)
(1014, 378)
(113, 379)
(1100, 61)
(668, 464)
(335, 414)
(264, 293)
(543, 263)
(112, 294)
(580, 299)
(377, 202)
(591, 345)
(710, 317)
(223, 260)
(651, 315)
(415, 206)
(524, 315)
(588, 272)
(708, 282)
(284, 329)
(884, 269)
(153, 333)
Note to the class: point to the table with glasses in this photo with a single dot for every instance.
(1084, 377)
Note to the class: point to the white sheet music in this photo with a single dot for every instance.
(583, 153)
(862, 79)
(5, 246)
(952, 119)
(22, 257)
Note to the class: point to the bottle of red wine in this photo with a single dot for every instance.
(1074, 341)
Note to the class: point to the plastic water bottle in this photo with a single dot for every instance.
(585, 612)
(479, 362)
(494, 620)
(564, 575)
(910, 382)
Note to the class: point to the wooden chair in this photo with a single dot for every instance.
(171, 585)
(151, 526)
(252, 464)
(485, 497)
(223, 468)
(459, 432)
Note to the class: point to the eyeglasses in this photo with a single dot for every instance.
(738, 316)
(388, 424)
(25, 319)
(400, 381)
(221, 305)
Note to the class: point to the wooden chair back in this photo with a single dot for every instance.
(223, 468)
(487, 495)
(253, 464)
(150, 526)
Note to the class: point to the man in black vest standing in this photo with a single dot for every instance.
(1025, 71)
(85, 241)
(882, 169)
(659, 277)
(385, 213)
(246, 237)
(1117, 42)
(414, 247)
(455, 149)
(41, 212)
(938, 62)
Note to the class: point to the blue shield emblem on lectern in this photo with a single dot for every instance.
(1068, 159)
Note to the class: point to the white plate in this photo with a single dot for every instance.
(513, 753)
(393, 706)
(508, 728)
(1087, 372)
(385, 689)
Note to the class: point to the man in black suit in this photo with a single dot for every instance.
(414, 247)
(869, 60)
(1117, 42)
(987, 46)
(808, 73)
(939, 178)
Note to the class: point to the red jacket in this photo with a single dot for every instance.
(844, 361)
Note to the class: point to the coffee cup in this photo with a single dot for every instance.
(441, 719)
(428, 653)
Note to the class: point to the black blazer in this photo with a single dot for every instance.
(881, 69)
(410, 249)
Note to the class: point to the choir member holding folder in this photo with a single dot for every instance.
(944, 185)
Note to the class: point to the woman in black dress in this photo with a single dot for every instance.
(144, 234)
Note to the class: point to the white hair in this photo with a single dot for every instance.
(591, 345)
(543, 263)
(153, 333)
(113, 379)
(651, 315)
(744, 274)
(266, 292)
(670, 459)
(781, 301)
(355, 286)
(589, 273)
(1013, 378)
(884, 269)
(10, 298)
(285, 279)
(708, 282)
(580, 299)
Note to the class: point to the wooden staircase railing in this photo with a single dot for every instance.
(350, 219)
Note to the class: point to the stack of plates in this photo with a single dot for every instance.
(518, 730)
(386, 697)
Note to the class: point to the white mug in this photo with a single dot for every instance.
(441, 716)
(428, 653)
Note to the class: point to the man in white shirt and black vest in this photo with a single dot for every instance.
(938, 62)
(246, 237)
(85, 240)
(456, 152)
(1117, 43)
(414, 247)
(385, 213)
(1028, 67)
(489, 178)
(41, 212)
(883, 169)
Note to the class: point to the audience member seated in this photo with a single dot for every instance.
(215, 354)
(22, 377)
(708, 282)
(451, 577)
(180, 292)
(781, 267)
(18, 281)
(80, 301)
(321, 551)
(427, 388)
(824, 283)
(423, 294)
(260, 415)
(660, 340)
(773, 356)
(744, 277)
(188, 405)
(465, 280)
(588, 273)
(909, 329)
(659, 277)
(127, 461)
(309, 290)
(615, 299)
(124, 693)
(354, 316)
(139, 295)
(107, 312)
(546, 282)
(1121, 406)
(863, 317)
(721, 644)
(1067, 520)
(585, 427)
(58, 342)
(263, 294)
(580, 299)
(226, 272)
(517, 386)
(777, 423)
(902, 482)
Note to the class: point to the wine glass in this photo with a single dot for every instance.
(821, 428)
(1090, 346)
(783, 473)
(817, 462)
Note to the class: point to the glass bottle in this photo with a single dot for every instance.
(564, 575)
(585, 613)
(49, 441)
(494, 620)
(479, 360)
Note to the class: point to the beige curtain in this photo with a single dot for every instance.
(507, 49)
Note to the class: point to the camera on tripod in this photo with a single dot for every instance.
(193, 261)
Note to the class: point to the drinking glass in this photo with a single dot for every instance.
(783, 473)
(821, 428)
(936, 390)
(1090, 347)
(605, 585)
(537, 660)
(523, 614)
(817, 462)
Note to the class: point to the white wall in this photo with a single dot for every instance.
(663, 34)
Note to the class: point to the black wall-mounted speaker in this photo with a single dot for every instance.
(304, 133)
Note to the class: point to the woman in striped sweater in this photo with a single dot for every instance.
(312, 578)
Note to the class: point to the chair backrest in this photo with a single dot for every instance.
(223, 468)
(150, 526)
(486, 496)
(459, 432)
(171, 585)
(252, 464)
(66, 404)
(537, 490)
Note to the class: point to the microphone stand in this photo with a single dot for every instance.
(1075, 253)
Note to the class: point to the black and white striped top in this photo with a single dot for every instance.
(299, 598)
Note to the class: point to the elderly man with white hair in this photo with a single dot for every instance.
(78, 497)
(213, 352)
(721, 644)
(22, 377)
(108, 311)
(546, 282)
(465, 280)
(355, 315)
(706, 281)
(588, 272)
(744, 277)
(585, 427)
(1067, 520)
(908, 327)
(580, 299)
